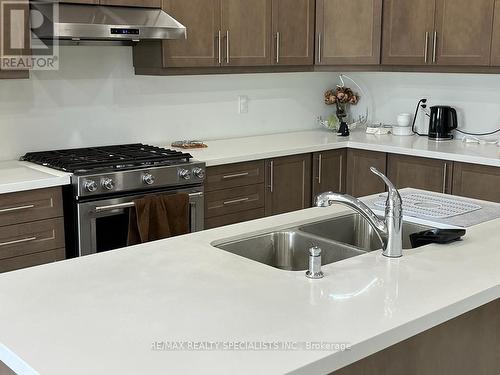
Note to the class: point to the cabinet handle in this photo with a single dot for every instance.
(271, 176)
(434, 47)
(319, 48)
(341, 173)
(23, 240)
(320, 167)
(219, 47)
(426, 48)
(235, 201)
(227, 48)
(445, 175)
(19, 208)
(236, 175)
(278, 37)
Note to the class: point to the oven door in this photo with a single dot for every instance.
(103, 224)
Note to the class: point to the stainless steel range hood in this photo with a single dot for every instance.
(84, 24)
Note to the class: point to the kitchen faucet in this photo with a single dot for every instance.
(388, 230)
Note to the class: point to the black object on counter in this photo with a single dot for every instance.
(343, 129)
(439, 236)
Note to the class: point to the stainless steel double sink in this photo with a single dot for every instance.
(339, 238)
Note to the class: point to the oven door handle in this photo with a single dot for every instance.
(131, 204)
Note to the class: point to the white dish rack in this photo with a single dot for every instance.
(431, 206)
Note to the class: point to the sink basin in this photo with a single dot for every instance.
(339, 238)
(354, 230)
(288, 250)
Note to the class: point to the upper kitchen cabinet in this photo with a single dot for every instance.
(408, 26)
(495, 45)
(463, 32)
(125, 3)
(15, 36)
(246, 26)
(348, 32)
(437, 32)
(220, 33)
(293, 32)
(133, 3)
(202, 48)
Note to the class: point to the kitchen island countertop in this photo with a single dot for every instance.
(107, 313)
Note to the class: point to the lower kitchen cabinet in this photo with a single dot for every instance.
(234, 193)
(329, 172)
(247, 191)
(420, 173)
(476, 181)
(360, 180)
(288, 181)
(31, 228)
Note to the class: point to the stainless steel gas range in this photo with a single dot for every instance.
(107, 180)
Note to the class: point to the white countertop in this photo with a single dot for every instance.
(101, 314)
(236, 150)
(20, 176)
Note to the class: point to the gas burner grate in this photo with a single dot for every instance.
(107, 158)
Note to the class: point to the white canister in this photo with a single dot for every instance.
(404, 119)
(404, 125)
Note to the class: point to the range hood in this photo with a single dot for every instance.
(83, 24)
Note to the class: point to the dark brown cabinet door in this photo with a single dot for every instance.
(246, 29)
(408, 27)
(348, 32)
(80, 1)
(360, 180)
(288, 184)
(495, 44)
(463, 32)
(477, 181)
(16, 41)
(329, 172)
(133, 3)
(203, 44)
(293, 32)
(420, 173)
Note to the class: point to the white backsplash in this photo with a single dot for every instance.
(476, 96)
(95, 99)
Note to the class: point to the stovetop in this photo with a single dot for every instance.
(108, 158)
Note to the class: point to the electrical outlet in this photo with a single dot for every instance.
(242, 104)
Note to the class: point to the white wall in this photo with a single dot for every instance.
(95, 99)
(476, 96)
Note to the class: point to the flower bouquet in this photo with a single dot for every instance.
(342, 97)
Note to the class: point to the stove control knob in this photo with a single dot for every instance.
(148, 179)
(199, 173)
(184, 174)
(108, 183)
(90, 186)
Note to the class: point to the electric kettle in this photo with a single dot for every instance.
(443, 120)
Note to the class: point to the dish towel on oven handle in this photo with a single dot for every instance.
(155, 217)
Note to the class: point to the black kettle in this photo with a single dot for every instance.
(443, 121)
